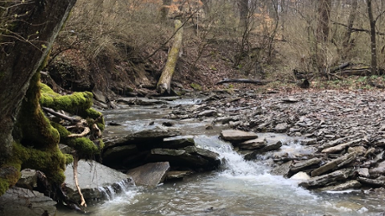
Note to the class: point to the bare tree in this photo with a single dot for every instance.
(323, 20)
(243, 12)
(373, 46)
(346, 40)
(165, 8)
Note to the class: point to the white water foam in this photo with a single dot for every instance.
(254, 173)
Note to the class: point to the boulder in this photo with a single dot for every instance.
(21, 201)
(237, 136)
(283, 169)
(334, 164)
(150, 174)
(118, 153)
(300, 177)
(93, 179)
(99, 96)
(28, 179)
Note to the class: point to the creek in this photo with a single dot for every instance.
(239, 187)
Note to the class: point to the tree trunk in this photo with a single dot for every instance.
(352, 16)
(164, 83)
(165, 8)
(24, 47)
(243, 13)
(373, 46)
(206, 6)
(323, 20)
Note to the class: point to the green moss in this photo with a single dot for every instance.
(83, 145)
(10, 174)
(51, 163)
(62, 130)
(69, 158)
(101, 144)
(93, 114)
(74, 103)
(34, 128)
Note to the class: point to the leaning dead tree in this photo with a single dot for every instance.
(164, 83)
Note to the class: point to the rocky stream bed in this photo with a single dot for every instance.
(322, 140)
(345, 129)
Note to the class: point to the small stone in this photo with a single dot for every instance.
(281, 128)
(309, 141)
(300, 177)
(363, 172)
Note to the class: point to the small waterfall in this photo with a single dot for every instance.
(104, 193)
(110, 192)
(253, 172)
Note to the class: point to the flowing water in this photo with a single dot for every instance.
(239, 188)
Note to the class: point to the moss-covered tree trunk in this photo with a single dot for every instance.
(164, 83)
(28, 29)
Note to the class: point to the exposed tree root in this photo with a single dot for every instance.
(82, 201)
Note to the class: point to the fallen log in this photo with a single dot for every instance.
(340, 67)
(164, 83)
(256, 82)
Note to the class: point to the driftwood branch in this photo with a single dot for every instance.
(82, 134)
(256, 82)
(60, 115)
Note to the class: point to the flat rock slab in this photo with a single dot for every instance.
(353, 184)
(341, 147)
(253, 144)
(298, 166)
(236, 136)
(329, 179)
(334, 164)
(19, 201)
(190, 157)
(142, 138)
(178, 142)
(177, 175)
(380, 181)
(92, 176)
(150, 174)
(283, 169)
